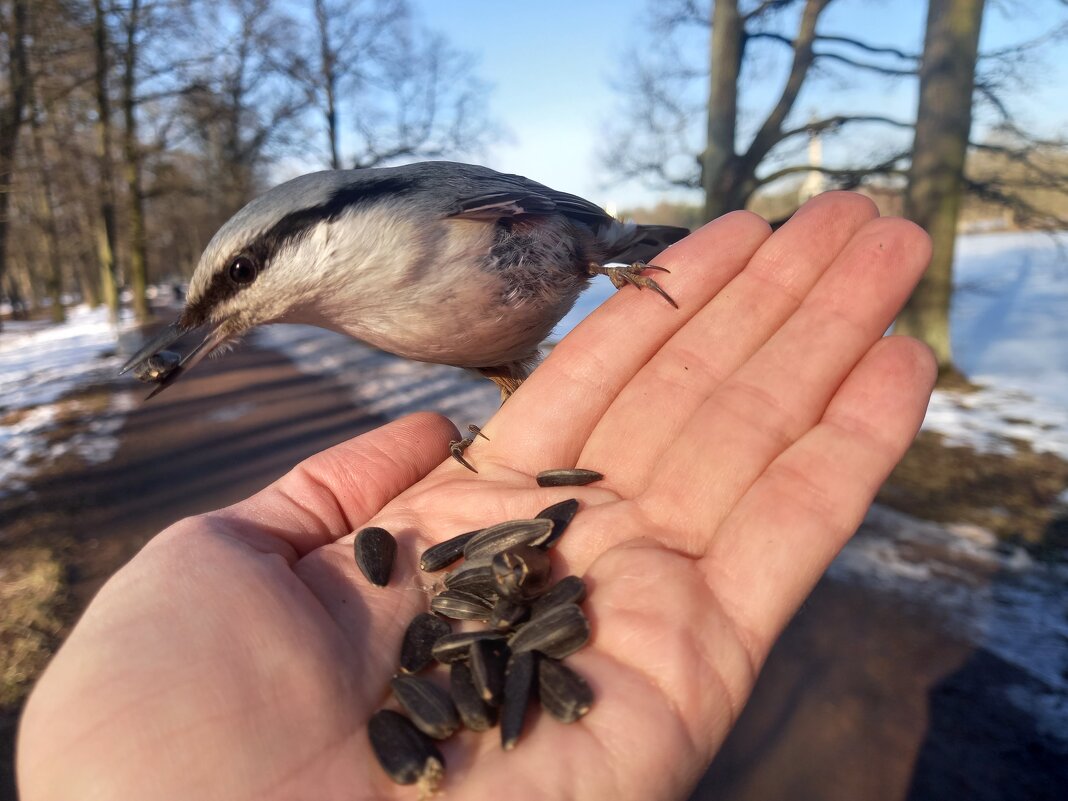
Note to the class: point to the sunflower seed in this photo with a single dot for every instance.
(575, 477)
(404, 752)
(424, 630)
(519, 686)
(568, 590)
(521, 573)
(564, 694)
(460, 605)
(375, 550)
(474, 576)
(452, 647)
(157, 366)
(561, 514)
(476, 714)
(488, 659)
(428, 706)
(557, 632)
(445, 553)
(506, 614)
(507, 535)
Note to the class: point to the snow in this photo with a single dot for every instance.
(41, 364)
(1009, 329)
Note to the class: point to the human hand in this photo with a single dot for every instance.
(241, 653)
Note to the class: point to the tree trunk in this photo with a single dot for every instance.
(717, 173)
(44, 200)
(329, 77)
(933, 195)
(131, 151)
(105, 225)
(11, 113)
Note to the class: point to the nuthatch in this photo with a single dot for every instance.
(438, 261)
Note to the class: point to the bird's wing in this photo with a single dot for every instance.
(514, 195)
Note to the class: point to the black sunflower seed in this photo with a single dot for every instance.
(568, 590)
(507, 535)
(460, 605)
(489, 659)
(404, 752)
(507, 614)
(561, 514)
(424, 630)
(428, 706)
(574, 477)
(452, 647)
(474, 576)
(445, 553)
(564, 694)
(476, 714)
(375, 549)
(557, 632)
(521, 573)
(519, 685)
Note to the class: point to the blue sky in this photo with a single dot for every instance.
(551, 65)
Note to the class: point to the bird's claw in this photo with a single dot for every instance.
(632, 274)
(458, 446)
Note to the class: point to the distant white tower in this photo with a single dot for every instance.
(815, 182)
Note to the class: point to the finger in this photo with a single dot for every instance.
(780, 538)
(784, 389)
(338, 490)
(652, 408)
(546, 423)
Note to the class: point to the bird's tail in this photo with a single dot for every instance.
(631, 242)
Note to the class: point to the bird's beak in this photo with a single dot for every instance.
(215, 334)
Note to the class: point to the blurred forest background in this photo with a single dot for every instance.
(130, 130)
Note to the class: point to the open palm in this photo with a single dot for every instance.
(742, 437)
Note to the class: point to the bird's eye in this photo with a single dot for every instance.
(243, 270)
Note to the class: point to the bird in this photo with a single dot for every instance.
(438, 261)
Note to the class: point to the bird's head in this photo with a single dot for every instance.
(276, 260)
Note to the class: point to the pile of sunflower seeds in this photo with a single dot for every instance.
(496, 671)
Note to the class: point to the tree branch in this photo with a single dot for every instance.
(832, 124)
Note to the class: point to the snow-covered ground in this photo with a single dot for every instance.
(41, 363)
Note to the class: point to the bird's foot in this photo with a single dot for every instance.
(631, 274)
(458, 446)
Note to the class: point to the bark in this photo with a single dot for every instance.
(132, 169)
(12, 113)
(105, 224)
(45, 202)
(720, 159)
(933, 195)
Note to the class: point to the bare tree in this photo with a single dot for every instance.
(657, 142)
(105, 225)
(407, 93)
(13, 105)
(936, 175)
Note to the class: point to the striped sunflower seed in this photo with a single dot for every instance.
(428, 706)
(507, 535)
(519, 685)
(375, 550)
(460, 605)
(452, 647)
(564, 694)
(474, 576)
(405, 753)
(445, 553)
(568, 590)
(557, 632)
(573, 477)
(561, 514)
(521, 573)
(476, 714)
(424, 630)
(489, 660)
(507, 614)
